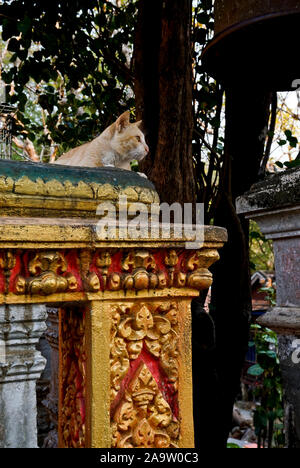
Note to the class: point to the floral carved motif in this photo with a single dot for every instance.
(144, 271)
(143, 326)
(46, 269)
(141, 332)
(51, 272)
(144, 419)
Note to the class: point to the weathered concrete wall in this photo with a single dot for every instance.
(275, 205)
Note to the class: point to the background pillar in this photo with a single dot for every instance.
(21, 327)
(275, 205)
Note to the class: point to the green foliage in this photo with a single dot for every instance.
(208, 141)
(268, 416)
(293, 142)
(72, 56)
(289, 164)
(261, 250)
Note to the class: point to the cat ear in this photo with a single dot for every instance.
(139, 124)
(123, 121)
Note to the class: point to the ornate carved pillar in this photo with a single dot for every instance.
(21, 327)
(125, 357)
(51, 402)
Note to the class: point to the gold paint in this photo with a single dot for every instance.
(185, 392)
(26, 197)
(28, 187)
(6, 184)
(46, 268)
(144, 419)
(20, 285)
(103, 261)
(98, 433)
(130, 193)
(47, 283)
(136, 324)
(200, 279)
(47, 261)
(105, 192)
(114, 282)
(93, 282)
(202, 259)
(42, 233)
(13, 298)
(171, 260)
(146, 196)
(54, 188)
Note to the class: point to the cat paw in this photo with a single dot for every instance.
(142, 175)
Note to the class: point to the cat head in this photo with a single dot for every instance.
(128, 140)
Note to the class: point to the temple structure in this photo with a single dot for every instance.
(123, 306)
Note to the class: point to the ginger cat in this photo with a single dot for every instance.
(119, 144)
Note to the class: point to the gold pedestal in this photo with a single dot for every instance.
(125, 324)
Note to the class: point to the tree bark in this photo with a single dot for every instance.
(163, 90)
(247, 115)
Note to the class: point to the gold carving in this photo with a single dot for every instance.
(73, 379)
(47, 261)
(154, 327)
(47, 283)
(198, 264)
(143, 418)
(139, 259)
(103, 262)
(138, 271)
(90, 280)
(171, 260)
(145, 274)
(8, 260)
(202, 259)
(92, 190)
(47, 268)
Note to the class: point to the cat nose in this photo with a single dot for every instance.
(147, 149)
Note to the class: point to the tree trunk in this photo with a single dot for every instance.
(163, 90)
(247, 115)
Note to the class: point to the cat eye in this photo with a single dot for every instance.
(138, 138)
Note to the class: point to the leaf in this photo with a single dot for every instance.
(270, 339)
(292, 164)
(293, 142)
(270, 354)
(13, 45)
(256, 370)
(256, 235)
(288, 134)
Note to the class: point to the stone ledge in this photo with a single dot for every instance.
(283, 320)
(275, 192)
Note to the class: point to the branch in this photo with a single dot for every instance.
(210, 148)
(271, 131)
(28, 147)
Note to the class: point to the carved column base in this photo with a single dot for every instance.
(126, 374)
